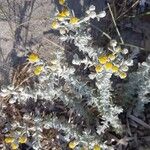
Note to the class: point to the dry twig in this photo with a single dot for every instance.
(115, 23)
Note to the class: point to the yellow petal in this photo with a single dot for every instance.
(38, 70)
(73, 144)
(74, 20)
(103, 59)
(61, 2)
(9, 140)
(96, 147)
(33, 58)
(98, 68)
(55, 25)
(14, 146)
(22, 139)
(108, 66)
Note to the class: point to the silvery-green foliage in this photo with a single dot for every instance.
(37, 134)
(78, 89)
(137, 88)
(86, 61)
(143, 83)
(102, 100)
(82, 40)
(72, 132)
(60, 81)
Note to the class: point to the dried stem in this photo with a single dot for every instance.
(128, 9)
(131, 45)
(115, 23)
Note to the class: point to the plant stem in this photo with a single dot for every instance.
(115, 23)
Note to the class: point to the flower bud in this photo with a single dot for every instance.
(113, 43)
(124, 68)
(102, 14)
(62, 31)
(125, 51)
(92, 7)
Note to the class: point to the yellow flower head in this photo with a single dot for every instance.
(14, 146)
(65, 12)
(108, 66)
(38, 70)
(9, 140)
(73, 144)
(98, 68)
(33, 58)
(112, 56)
(103, 59)
(122, 75)
(115, 68)
(22, 139)
(73, 20)
(96, 147)
(55, 24)
(61, 2)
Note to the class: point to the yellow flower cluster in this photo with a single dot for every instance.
(14, 143)
(34, 58)
(64, 14)
(106, 63)
(61, 16)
